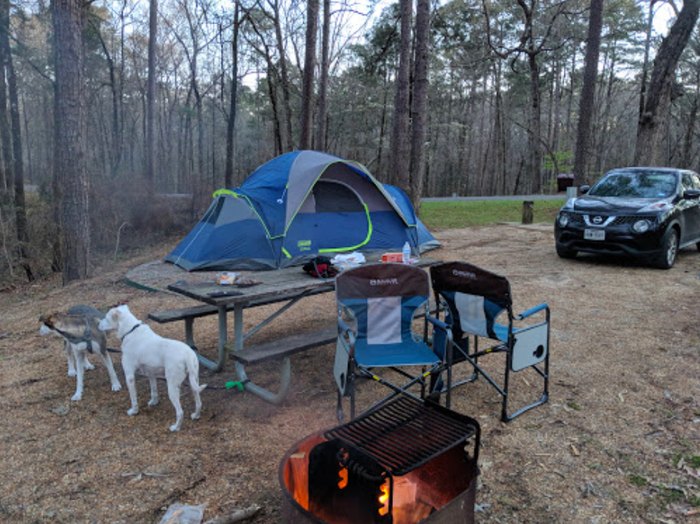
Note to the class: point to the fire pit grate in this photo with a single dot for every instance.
(405, 433)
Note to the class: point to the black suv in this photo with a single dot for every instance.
(646, 212)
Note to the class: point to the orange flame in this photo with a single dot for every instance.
(384, 498)
(342, 478)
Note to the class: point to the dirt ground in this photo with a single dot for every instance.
(618, 441)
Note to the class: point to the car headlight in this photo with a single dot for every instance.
(563, 219)
(641, 226)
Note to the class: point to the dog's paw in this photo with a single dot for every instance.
(77, 396)
(71, 373)
(88, 365)
(132, 411)
(153, 402)
(195, 416)
(116, 387)
(175, 427)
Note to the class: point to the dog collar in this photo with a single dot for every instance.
(131, 331)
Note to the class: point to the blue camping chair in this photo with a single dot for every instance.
(377, 305)
(473, 300)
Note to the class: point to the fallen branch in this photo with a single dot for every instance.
(237, 516)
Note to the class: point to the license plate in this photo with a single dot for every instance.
(594, 234)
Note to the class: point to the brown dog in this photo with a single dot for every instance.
(78, 327)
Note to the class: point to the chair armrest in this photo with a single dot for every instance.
(344, 330)
(532, 311)
(442, 336)
(437, 323)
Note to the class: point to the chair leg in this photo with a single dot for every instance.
(506, 380)
(544, 398)
(339, 408)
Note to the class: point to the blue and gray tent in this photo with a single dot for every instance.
(297, 206)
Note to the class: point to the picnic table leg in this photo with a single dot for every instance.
(210, 364)
(285, 366)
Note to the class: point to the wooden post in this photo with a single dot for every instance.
(527, 211)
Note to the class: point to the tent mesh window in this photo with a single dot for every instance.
(334, 197)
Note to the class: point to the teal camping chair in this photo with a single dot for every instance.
(377, 305)
(474, 300)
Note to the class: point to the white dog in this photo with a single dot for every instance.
(78, 327)
(154, 356)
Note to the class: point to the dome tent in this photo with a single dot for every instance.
(292, 208)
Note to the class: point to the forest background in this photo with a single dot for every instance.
(118, 115)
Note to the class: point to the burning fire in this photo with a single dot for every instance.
(384, 498)
(342, 478)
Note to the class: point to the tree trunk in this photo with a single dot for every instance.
(587, 102)
(320, 140)
(687, 152)
(645, 63)
(16, 156)
(650, 128)
(151, 97)
(287, 137)
(534, 132)
(307, 92)
(419, 111)
(231, 122)
(399, 159)
(70, 168)
(115, 149)
(499, 132)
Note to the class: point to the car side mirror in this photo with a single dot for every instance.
(691, 194)
(584, 189)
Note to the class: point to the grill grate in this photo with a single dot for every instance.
(406, 433)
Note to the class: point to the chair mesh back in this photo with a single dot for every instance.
(383, 299)
(475, 297)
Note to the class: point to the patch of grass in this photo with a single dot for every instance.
(671, 496)
(638, 480)
(459, 214)
(694, 461)
(574, 405)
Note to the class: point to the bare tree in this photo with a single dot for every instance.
(70, 168)
(287, 137)
(586, 103)
(531, 46)
(650, 128)
(320, 140)
(307, 90)
(399, 145)
(16, 156)
(231, 122)
(151, 96)
(419, 108)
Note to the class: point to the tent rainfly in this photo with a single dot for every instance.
(297, 206)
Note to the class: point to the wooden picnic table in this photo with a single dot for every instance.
(283, 286)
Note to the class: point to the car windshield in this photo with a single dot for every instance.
(636, 185)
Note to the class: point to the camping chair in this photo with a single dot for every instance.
(474, 298)
(377, 305)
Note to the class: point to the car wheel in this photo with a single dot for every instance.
(566, 253)
(669, 250)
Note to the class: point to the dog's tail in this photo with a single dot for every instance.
(193, 372)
